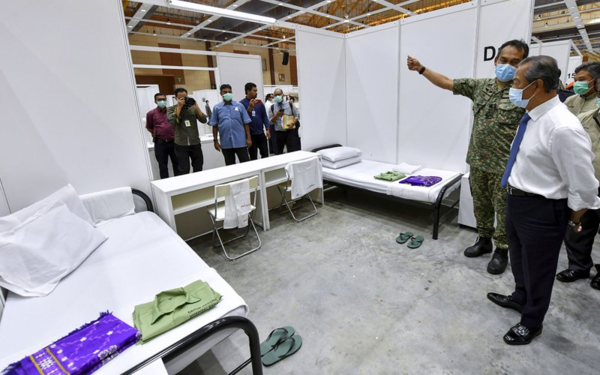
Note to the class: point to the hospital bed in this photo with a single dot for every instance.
(361, 176)
(142, 257)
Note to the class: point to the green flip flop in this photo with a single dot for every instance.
(276, 337)
(403, 237)
(283, 350)
(415, 242)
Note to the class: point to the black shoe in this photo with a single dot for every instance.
(596, 280)
(499, 262)
(568, 276)
(482, 246)
(504, 301)
(521, 335)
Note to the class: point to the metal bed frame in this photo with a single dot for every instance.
(436, 207)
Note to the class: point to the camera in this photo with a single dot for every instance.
(189, 101)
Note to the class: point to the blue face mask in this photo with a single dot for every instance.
(516, 96)
(598, 102)
(228, 97)
(278, 99)
(162, 103)
(505, 72)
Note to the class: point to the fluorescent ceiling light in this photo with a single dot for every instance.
(220, 11)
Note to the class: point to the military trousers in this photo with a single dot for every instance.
(489, 202)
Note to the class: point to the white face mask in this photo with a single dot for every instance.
(516, 96)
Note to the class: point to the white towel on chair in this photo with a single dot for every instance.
(406, 168)
(237, 205)
(306, 176)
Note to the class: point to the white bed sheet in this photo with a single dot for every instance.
(361, 175)
(141, 258)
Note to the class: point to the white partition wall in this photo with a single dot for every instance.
(500, 21)
(434, 124)
(237, 70)
(560, 50)
(68, 100)
(4, 209)
(372, 91)
(322, 83)
(574, 62)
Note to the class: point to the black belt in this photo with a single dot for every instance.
(164, 140)
(520, 193)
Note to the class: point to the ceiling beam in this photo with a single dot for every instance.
(574, 10)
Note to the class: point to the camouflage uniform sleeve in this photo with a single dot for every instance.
(466, 87)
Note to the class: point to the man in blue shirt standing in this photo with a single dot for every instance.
(258, 114)
(231, 121)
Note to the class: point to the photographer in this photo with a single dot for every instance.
(183, 117)
(284, 119)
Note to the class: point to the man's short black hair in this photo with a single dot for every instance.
(225, 86)
(180, 89)
(544, 68)
(159, 94)
(269, 96)
(591, 67)
(520, 45)
(249, 86)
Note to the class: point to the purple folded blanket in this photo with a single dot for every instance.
(425, 181)
(82, 351)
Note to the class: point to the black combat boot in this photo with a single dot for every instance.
(499, 262)
(482, 246)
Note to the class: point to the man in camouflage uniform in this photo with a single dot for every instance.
(495, 125)
(579, 245)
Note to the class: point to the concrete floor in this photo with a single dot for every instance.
(364, 304)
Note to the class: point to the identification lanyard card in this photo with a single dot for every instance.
(188, 123)
(253, 113)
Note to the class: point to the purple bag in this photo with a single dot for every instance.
(425, 181)
(82, 351)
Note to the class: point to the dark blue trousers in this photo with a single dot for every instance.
(535, 227)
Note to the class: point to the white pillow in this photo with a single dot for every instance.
(341, 163)
(67, 195)
(50, 244)
(108, 205)
(339, 153)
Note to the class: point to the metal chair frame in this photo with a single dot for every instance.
(284, 201)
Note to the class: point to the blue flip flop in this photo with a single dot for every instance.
(276, 337)
(283, 350)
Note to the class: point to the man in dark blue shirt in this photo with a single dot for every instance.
(260, 122)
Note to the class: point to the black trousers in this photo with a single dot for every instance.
(259, 143)
(535, 227)
(163, 150)
(273, 142)
(229, 155)
(579, 245)
(187, 153)
(288, 139)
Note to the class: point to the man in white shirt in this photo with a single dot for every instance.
(550, 183)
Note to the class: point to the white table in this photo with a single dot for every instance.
(179, 196)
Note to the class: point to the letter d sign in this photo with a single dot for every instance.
(486, 53)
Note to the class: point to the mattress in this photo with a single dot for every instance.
(361, 175)
(141, 258)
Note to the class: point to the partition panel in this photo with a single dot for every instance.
(322, 85)
(237, 70)
(574, 62)
(434, 124)
(561, 51)
(4, 209)
(500, 21)
(372, 91)
(67, 96)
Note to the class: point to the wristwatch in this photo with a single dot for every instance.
(422, 70)
(573, 224)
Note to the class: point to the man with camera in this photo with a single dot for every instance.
(284, 118)
(183, 117)
(163, 136)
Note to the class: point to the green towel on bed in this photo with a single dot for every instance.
(172, 308)
(390, 176)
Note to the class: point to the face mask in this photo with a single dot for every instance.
(278, 99)
(581, 88)
(162, 103)
(228, 97)
(598, 102)
(505, 72)
(516, 96)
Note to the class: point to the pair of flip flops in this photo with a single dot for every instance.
(281, 343)
(415, 241)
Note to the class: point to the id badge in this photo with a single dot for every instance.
(188, 123)
(253, 113)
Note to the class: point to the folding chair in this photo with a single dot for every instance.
(217, 214)
(310, 168)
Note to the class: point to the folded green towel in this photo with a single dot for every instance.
(390, 176)
(172, 308)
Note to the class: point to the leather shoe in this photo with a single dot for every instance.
(596, 280)
(482, 246)
(499, 262)
(568, 276)
(504, 301)
(521, 335)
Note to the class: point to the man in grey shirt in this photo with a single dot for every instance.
(287, 138)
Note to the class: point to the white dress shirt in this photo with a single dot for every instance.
(555, 158)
